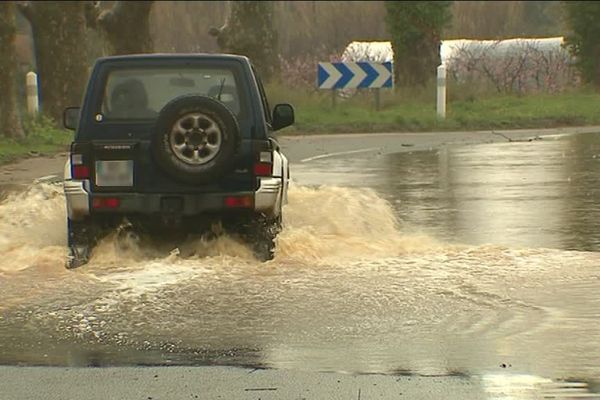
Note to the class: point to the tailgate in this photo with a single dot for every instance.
(128, 166)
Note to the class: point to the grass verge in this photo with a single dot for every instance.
(415, 112)
(42, 137)
(403, 111)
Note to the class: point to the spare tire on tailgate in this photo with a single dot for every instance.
(196, 138)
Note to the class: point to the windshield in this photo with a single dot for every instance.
(141, 93)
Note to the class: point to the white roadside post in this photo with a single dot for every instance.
(33, 104)
(441, 91)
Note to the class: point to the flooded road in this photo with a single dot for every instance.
(462, 260)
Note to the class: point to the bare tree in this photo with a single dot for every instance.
(513, 66)
(59, 35)
(250, 31)
(126, 25)
(191, 19)
(305, 29)
(501, 19)
(10, 124)
(320, 28)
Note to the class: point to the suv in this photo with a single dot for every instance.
(175, 144)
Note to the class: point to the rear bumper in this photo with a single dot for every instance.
(79, 200)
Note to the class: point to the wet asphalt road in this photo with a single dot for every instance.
(403, 255)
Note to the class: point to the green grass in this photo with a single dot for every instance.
(415, 111)
(42, 137)
(403, 111)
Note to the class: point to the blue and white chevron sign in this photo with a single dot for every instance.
(354, 75)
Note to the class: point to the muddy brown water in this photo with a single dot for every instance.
(465, 260)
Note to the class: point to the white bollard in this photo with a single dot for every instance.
(33, 104)
(441, 91)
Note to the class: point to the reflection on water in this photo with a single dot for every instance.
(351, 288)
(525, 387)
(531, 194)
(539, 194)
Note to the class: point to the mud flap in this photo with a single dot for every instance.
(81, 239)
(261, 235)
(78, 255)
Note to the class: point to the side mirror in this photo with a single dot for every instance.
(71, 117)
(283, 116)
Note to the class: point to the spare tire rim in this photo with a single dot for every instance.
(195, 138)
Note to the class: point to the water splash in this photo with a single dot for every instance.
(33, 228)
(320, 224)
(328, 223)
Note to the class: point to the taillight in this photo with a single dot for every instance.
(238, 202)
(264, 164)
(106, 202)
(80, 171)
(263, 169)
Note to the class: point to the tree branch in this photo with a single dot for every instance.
(26, 9)
(92, 13)
(108, 19)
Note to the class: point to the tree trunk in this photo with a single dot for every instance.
(419, 65)
(416, 29)
(59, 40)
(126, 26)
(250, 31)
(597, 67)
(10, 123)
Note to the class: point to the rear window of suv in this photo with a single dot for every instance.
(141, 93)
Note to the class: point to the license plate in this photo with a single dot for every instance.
(114, 173)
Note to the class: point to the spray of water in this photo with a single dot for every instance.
(328, 223)
(320, 225)
(33, 228)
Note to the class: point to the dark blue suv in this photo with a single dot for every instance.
(174, 144)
